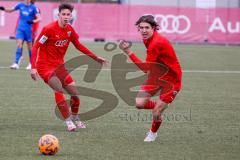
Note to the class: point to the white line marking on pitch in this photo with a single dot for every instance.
(184, 71)
(207, 71)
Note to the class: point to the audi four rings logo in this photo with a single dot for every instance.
(173, 23)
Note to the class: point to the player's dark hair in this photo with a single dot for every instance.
(33, 1)
(65, 6)
(148, 19)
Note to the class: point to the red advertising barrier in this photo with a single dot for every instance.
(114, 22)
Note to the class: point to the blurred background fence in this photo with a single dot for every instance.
(171, 3)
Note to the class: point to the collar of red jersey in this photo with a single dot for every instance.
(147, 41)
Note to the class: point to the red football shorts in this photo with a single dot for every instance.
(167, 89)
(47, 71)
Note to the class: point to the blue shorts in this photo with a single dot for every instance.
(24, 35)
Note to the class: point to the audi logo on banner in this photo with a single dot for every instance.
(179, 24)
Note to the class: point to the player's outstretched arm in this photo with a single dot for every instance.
(42, 38)
(86, 51)
(126, 48)
(2, 8)
(9, 10)
(34, 73)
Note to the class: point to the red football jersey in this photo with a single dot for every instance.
(53, 42)
(159, 50)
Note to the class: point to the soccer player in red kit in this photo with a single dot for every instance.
(48, 59)
(159, 51)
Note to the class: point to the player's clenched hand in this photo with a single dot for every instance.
(34, 74)
(2, 8)
(125, 46)
(30, 22)
(103, 61)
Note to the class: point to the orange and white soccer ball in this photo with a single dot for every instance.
(48, 145)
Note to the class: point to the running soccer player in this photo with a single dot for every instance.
(48, 61)
(159, 51)
(28, 14)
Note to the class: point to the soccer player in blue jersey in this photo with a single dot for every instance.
(28, 14)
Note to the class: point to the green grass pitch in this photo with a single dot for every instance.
(203, 123)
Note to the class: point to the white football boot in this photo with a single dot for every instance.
(29, 66)
(77, 122)
(151, 136)
(71, 127)
(14, 66)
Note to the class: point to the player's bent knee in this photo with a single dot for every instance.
(140, 102)
(19, 45)
(139, 106)
(55, 84)
(160, 106)
(72, 90)
(72, 83)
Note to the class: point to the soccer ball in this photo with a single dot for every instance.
(48, 144)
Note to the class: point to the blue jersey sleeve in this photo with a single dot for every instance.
(35, 10)
(17, 7)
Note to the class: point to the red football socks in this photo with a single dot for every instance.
(74, 103)
(62, 105)
(156, 124)
(150, 104)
